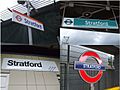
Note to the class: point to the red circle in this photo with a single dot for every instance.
(18, 18)
(83, 73)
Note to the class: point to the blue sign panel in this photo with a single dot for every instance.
(89, 23)
(78, 65)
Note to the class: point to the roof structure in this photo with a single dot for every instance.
(7, 14)
(16, 34)
(103, 10)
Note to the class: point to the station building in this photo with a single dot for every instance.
(29, 68)
(41, 59)
(76, 38)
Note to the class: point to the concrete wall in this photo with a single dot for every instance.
(30, 80)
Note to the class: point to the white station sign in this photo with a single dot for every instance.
(26, 20)
(26, 64)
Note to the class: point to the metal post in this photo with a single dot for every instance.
(92, 86)
(29, 29)
(68, 54)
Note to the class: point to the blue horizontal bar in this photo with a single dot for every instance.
(85, 66)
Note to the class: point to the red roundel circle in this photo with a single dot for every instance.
(83, 73)
(18, 18)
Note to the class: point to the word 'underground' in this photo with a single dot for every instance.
(24, 63)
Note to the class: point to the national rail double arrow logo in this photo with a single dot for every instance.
(68, 21)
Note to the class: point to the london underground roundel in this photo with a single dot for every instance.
(84, 74)
(18, 18)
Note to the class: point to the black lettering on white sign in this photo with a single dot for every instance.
(25, 63)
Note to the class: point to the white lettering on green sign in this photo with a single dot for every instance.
(98, 23)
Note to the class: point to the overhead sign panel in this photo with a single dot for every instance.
(89, 23)
(25, 64)
(26, 20)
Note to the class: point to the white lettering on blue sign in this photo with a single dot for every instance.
(91, 66)
(78, 65)
(32, 23)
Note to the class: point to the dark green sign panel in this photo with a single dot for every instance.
(90, 23)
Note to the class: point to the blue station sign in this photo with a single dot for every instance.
(84, 66)
(89, 23)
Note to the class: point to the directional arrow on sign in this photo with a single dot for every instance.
(68, 21)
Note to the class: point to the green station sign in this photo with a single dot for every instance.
(89, 23)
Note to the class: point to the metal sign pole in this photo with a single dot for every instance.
(29, 29)
(68, 57)
(92, 86)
